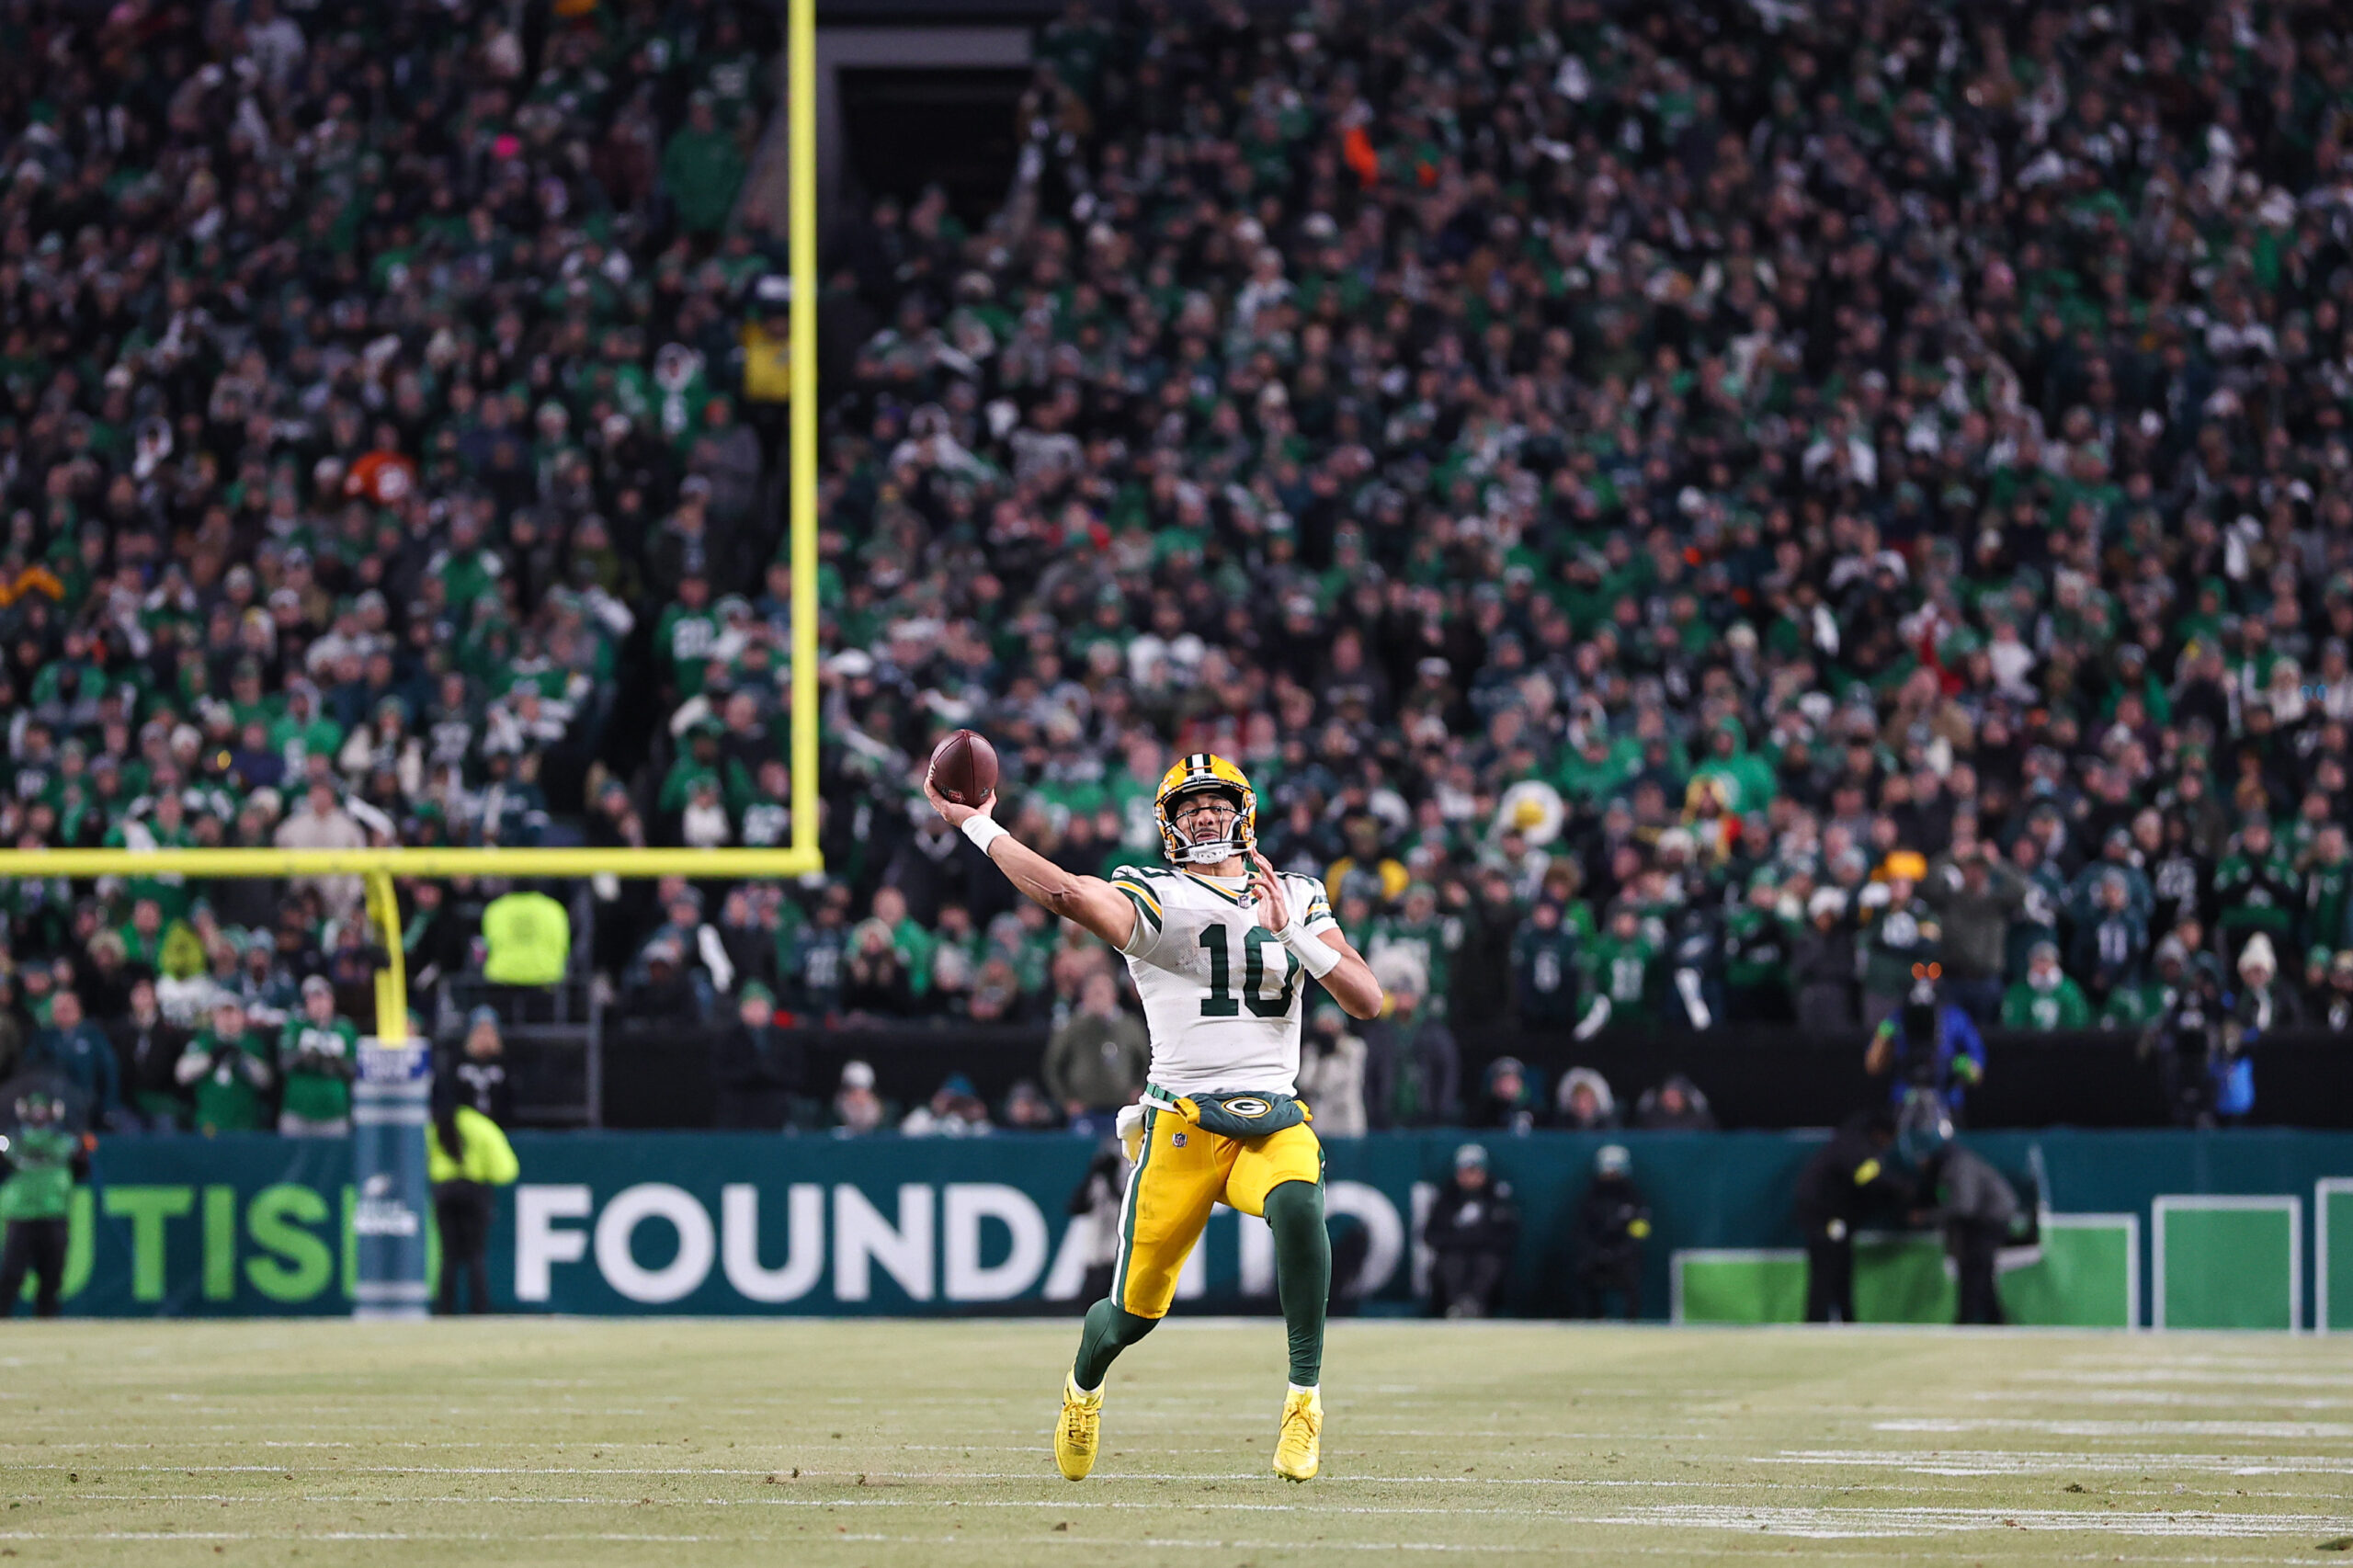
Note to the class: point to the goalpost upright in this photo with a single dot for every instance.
(378, 868)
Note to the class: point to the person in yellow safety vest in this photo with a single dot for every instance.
(528, 937)
(465, 1156)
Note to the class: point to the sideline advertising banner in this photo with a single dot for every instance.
(757, 1223)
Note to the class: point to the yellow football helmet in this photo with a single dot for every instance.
(1203, 771)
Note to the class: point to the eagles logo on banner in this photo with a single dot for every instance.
(390, 1107)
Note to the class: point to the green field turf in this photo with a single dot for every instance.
(781, 1442)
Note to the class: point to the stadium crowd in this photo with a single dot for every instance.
(1685, 512)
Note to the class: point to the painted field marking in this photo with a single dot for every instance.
(2162, 1209)
(2325, 1192)
(1707, 1255)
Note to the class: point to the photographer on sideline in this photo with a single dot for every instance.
(1928, 1048)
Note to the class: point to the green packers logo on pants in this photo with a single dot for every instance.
(1243, 1105)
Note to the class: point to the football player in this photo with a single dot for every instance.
(1217, 942)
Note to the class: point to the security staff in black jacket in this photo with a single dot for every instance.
(1612, 1223)
(1843, 1178)
(1472, 1229)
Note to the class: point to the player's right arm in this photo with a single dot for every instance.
(1090, 901)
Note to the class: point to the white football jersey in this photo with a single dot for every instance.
(1221, 994)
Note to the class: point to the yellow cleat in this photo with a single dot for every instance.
(1298, 1451)
(1079, 1432)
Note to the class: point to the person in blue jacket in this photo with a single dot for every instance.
(1928, 1048)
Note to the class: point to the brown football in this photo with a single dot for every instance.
(963, 767)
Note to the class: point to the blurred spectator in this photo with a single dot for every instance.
(1613, 1222)
(320, 823)
(2047, 998)
(1412, 1065)
(875, 983)
(2112, 940)
(1900, 931)
(1332, 1068)
(1675, 1105)
(1508, 1098)
(13, 1032)
(1624, 964)
(856, 1108)
(954, 1110)
(479, 1075)
(1823, 959)
(2256, 888)
(229, 1074)
(2137, 1006)
(1545, 964)
(757, 1066)
(1095, 1063)
(79, 1053)
(147, 1049)
(1975, 897)
(1026, 1108)
(2203, 1068)
(1472, 1229)
(318, 1053)
(1756, 945)
(1583, 1101)
(2335, 1008)
(2265, 1004)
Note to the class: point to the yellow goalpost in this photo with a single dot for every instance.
(379, 868)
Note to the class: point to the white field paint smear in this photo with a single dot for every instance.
(2057, 1462)
(2220, 1397)
(2317, 1431)
(2134, 1377)
(1831, 1523)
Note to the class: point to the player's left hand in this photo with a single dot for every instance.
(1267, 892)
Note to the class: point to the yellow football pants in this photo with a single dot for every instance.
(1181, 1173)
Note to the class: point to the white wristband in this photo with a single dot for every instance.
(984, 831)
(1315, 955)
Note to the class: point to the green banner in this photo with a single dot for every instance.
(748, 1222)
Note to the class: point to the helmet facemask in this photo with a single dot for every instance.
(1235, 841)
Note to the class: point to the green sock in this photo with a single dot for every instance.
(1302, 1272)
(1110, 1328)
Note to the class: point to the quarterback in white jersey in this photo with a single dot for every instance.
(1222, 947)
(1221, 994)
